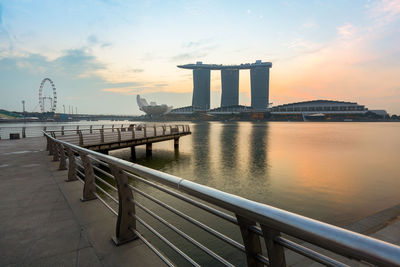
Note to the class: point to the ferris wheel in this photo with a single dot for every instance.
(53, 100)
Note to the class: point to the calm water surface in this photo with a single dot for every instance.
(334, 172)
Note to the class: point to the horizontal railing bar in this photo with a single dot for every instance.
(191, 220)
(309, 253)
(187, 199)
(106, 193)
(255, 229)
(99, 161)
(149, 245)
(105, 204)
(176, 249)
(184, 235)
(106, 183)
(262, 259)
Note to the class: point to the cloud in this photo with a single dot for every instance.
(188, 56)
(346, 31)
(137, 70)
(93, 41)
(124, 91)
(195, 50)
(384, 11)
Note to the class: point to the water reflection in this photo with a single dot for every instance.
(327, 171)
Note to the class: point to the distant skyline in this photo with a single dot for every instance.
(101, 54)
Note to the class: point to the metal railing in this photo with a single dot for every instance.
(36, 131)
(116, 134)
(267, 232)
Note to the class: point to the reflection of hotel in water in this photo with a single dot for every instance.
(240, 152)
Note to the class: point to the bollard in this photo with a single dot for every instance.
(126, 208)
(63, 161)
(251, 241)
(89, 187)
(71, 166)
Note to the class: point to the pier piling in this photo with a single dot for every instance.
(149, 149)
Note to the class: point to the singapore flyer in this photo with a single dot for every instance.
(53, 100)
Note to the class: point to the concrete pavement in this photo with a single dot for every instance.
(43, 222)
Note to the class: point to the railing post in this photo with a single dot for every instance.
(126, 208)
(62, 130)
(56, 156)
(63, 162)
(251, 241)
(155, 131)
(77, 129)
(72, 166)
(112, 128)
(44, 129)
(170, 129)
(91, 129)
(133, 132)
(89, 188)
(188, 128)
(23, 132)
(119, 134)
(51, 147)
(183, 128)
(276, 253)
(48, 143)
(144, 131)
(102, 135)
(80, 138)
(163, 129)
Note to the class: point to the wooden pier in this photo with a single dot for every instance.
(106, 139)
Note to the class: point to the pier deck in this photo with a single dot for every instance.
(43, 222)
(116, 138)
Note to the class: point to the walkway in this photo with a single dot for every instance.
(43, 222)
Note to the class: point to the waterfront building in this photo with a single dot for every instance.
(259, 74)
(320, 106)
(152, 109)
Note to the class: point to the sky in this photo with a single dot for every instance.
(101, 53)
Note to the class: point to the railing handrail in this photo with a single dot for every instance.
(333, 238)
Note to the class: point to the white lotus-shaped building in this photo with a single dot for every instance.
(152, 109)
